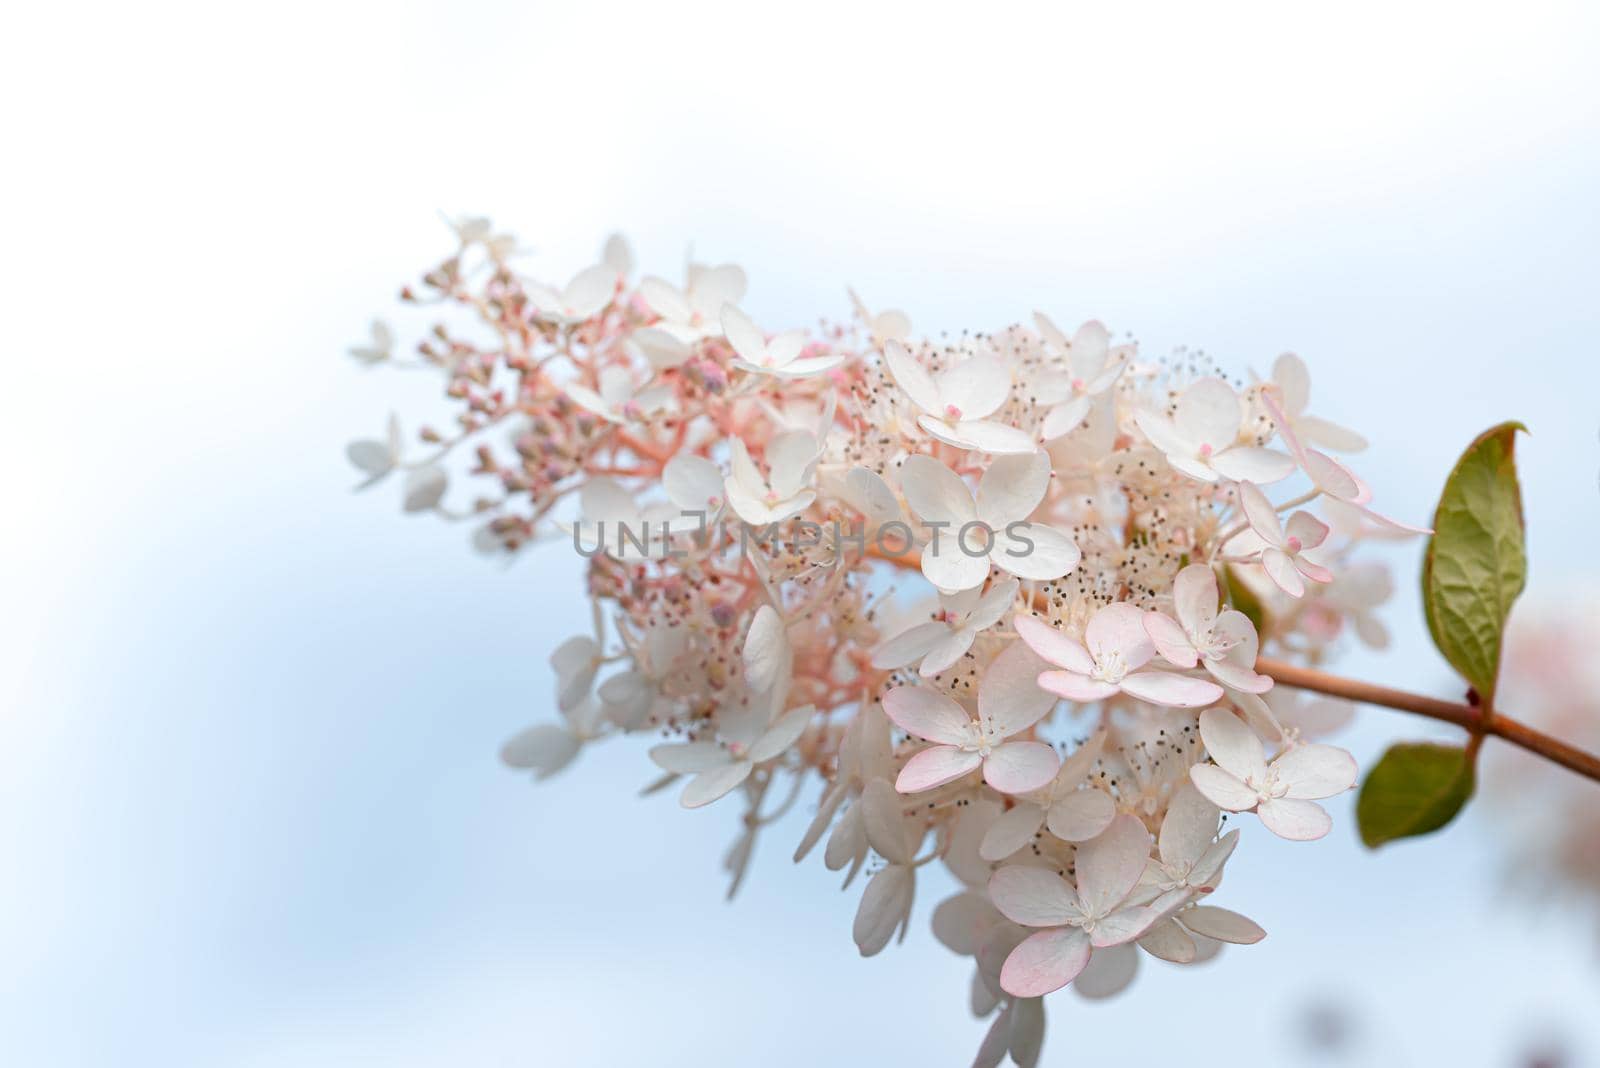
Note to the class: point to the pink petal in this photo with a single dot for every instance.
(1018, 767)
(1033, 897)
(1076, 687)
(1053, 645)
(1175, 691)
(1262, 516)
(1123, 926)
(935, 767)
(1119, 628)
(929, 714)
(1045, 961)
(1310, 530)
(1253, 463)
(1298, 821)
(1281, 570)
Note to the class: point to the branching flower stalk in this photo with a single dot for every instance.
(997, 600)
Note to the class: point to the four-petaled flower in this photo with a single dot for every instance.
(1008, 704)
(957, 402)
(1093, 368)
(941, 642)
(1283, 793)
(1115, 647)
(1202, 437)
(1225, 644)
(1076, 921)
(779, 356)
(970, 533)
(785, 490)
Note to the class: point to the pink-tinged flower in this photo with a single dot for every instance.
(618, 400)
(1289, 374)
(1281, 547)
(1225, 644)
(1202, 437)
(1329, 475)
(785, 490)
(691, 313)
(941, 642)
(1115, 647)
(1284, 792)
(970, 533)
(1008, 704)
(1094, 367)
(1070, 810)
(1189, 855)
(1076, 921)
(956, 403)
(586, 295)
(779, 356)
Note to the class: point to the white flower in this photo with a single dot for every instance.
(589, 292)
(612, 522)
(376, 458)
(785, 491)
(1115, 647)
(957, 402)
(1289, 374)
(691, 313)
(1076, 921)
(1094, 368)
(1225, 644)
(971, 533)
(424, 489)
(742, 742)
(1072, 813)
(1280, 548)
(1202, 437)
(942, 642)
(546, 748)
(780, 356)
(1008, 704)
(618, 400)
(379, 348)
(1282, 793)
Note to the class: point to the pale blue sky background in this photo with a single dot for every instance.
(250, 812)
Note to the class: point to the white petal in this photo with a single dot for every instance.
(545, 748)
(1189, 826)
(1221, 924)
(1262, 516)
(935, 766)
(959, 920)
(1208, 413)
(1034, 551)
(714, 783)
(777, 738)
(976, 388)
(1081, 815)
(371, 457)
(766, 648)
(1221, 788)
(693, 483)
(1253, 463)
(425, 489)
(1316, 771)
(1171, 640)
(1168, 941)
(1053, 645)
(937, 495)
(1194, 597)
(1012, 487)
(1009, 698)
(1020, 767)
(910, 376)
(1011, 832)
(743, 334)
(689, 758)
(947, 649)
(1109, 973)
(1033, 897)
(870, 495)
(1173, 691)
(1298, 821)
(1232, 745)
(1065, 418)
(1123, 926)
(1290, 374)
(883, 818)
(984, 436)
(948, 566)
(909, 646)
(1119, 629)
(885, 904)
(1110, 865)
(929, 714)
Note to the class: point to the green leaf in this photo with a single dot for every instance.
(1477, 562)
(1243, 599)
(1416, 788)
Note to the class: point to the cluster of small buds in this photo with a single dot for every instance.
(999, 597)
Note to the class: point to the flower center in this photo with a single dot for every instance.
(1206, 451)
(1294, 544)
(1110, 667)
(952, 412)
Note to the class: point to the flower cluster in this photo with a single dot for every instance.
(993, 601)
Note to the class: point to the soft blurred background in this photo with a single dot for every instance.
(250, 810)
